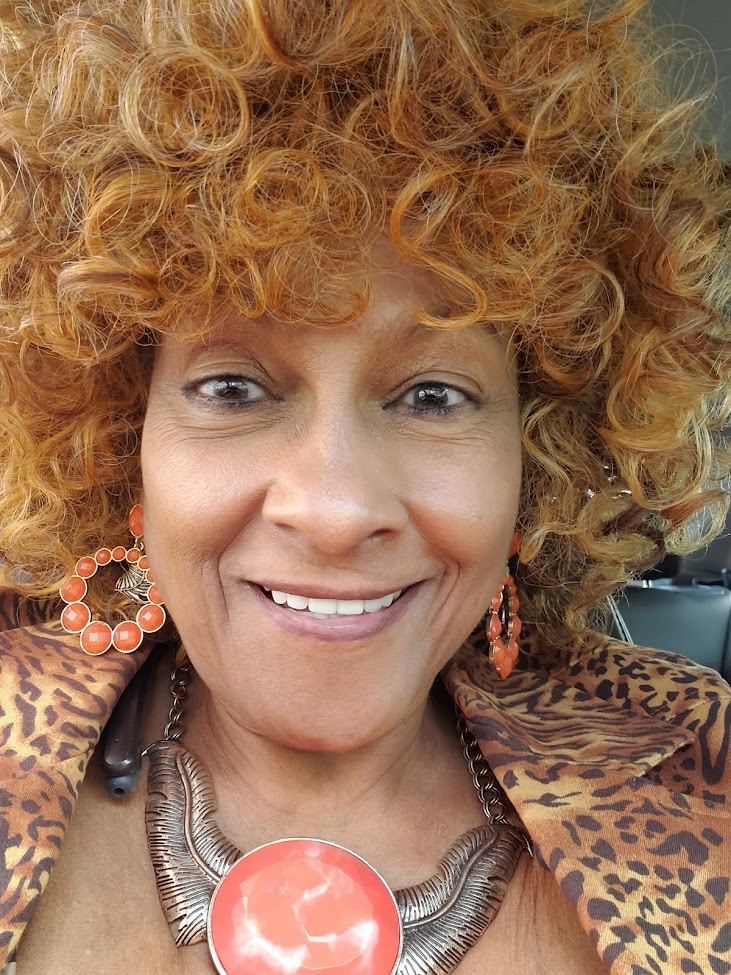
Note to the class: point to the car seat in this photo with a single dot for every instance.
(683, 605)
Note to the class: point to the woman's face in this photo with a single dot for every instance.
(341, 463)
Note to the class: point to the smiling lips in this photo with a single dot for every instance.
(324, 608)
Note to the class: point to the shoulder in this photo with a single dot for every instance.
(54, 703)
(598, 702)
(656, 680)
(659, 687)
(617, 761)
(55, 698)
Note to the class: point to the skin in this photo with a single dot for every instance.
(328, 476)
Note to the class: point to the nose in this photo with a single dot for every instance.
(337, 486)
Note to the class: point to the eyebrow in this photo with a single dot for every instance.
(401, 329)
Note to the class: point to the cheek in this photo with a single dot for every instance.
(467, 507)
(189, 499)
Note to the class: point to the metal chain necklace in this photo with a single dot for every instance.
(300, 905)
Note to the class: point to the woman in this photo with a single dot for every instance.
(396, 333)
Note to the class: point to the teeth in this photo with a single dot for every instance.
(294, 602)
(329, 608)
(326, 606)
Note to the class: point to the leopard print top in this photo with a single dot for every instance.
(616, 760)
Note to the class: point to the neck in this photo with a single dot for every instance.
(399, 800)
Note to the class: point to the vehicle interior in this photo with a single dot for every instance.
(683, 605)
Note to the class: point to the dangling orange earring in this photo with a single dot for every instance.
(97, 636)
(504, 626)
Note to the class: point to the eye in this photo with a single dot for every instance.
(233, 390)
(435, 398)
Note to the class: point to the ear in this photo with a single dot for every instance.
(515, 544)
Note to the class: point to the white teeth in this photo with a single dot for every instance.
(343, 607)
(329, 608)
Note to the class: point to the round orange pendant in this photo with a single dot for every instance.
(302, 906)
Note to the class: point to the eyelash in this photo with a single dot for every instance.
(235, 382)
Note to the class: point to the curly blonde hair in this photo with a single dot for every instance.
(158, 155)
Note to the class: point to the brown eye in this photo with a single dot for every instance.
(433, 398)
(230, 389)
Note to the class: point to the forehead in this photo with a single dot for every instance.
(375, 332)
(401, 302)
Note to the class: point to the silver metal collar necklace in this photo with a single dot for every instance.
(343, 918)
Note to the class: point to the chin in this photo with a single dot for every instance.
(332, 728)
(316, 709)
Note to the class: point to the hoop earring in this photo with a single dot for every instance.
(504, 626)
(136, 582)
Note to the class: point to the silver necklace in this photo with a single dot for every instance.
(440, 919)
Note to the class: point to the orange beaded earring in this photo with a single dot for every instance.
(504, 624)
(137, 583)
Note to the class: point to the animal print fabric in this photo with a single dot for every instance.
(54, 703)
(616, 760)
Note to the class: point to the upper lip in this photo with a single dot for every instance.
(327, 592)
